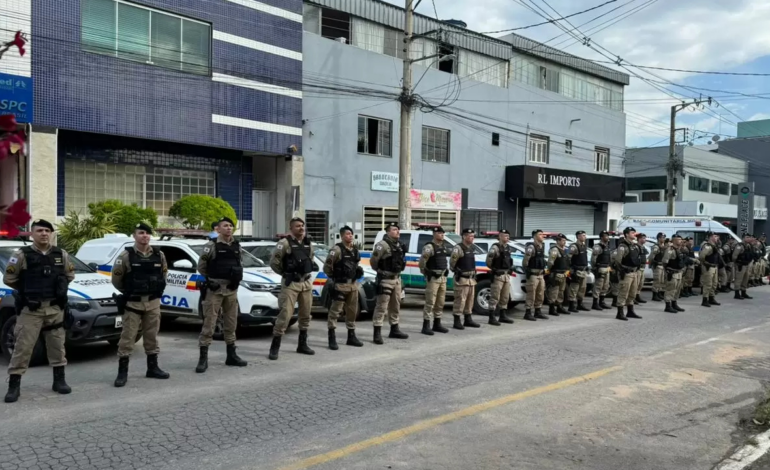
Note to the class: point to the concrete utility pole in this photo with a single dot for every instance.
(407, 100)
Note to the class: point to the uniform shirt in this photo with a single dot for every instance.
(282, 249)
(653, 253)
(553, 255)
(209, 254)
(335, 254)
(597, 250)
(575, 248)
(669, 254)
(737, 251)
(427, 253)
(620, 252)
(493, 253)
(529, 252)
(18, 263)
(705, 250)
(123, 266)
(457, 253)
(381, 251)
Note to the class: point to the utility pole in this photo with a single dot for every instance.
(407, 100)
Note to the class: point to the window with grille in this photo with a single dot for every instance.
(435, 145)
(374, 136)
(538, 149)
(317, 226)
(601, 160)
(335, 24)
(142, 34)
(482, 220)
(549, 79)
(375, 219)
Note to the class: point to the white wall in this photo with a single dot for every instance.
(714, 167)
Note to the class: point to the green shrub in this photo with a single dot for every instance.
(126, 216)
(199, 211)
(76, 229)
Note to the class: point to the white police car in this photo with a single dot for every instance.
(90, 301)
(257, 294)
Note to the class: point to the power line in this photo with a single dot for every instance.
(551, 21)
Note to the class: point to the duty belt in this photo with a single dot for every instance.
(466, 275)
(536, 271)
(297, 277)
(140, 298)
(387, 275)
(500, 272)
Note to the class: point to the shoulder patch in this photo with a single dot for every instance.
(13, 260)
(279, 246)
(378, 248)
(10, 269)
(118, 262)
(530, 250)
(206, 250)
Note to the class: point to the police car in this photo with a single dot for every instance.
(90, 301)
(257, 294)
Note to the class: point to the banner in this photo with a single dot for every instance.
(437, 200)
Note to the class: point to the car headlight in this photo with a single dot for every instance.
(76, 303)
(258, 286)
(371, 279)
(519, 270)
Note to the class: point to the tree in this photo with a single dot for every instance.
(76, 229)
(198, 211)
(126, 216)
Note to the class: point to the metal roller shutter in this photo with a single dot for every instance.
(553, 217)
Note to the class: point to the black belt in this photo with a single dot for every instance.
(500, 272)
(138, 298)
(461, 275)
(388, 277)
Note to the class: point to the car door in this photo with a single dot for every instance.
(182, 295)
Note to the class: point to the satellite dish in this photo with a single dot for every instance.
(690, 143)
(710, 142)
(716, 138)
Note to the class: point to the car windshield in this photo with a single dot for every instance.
(261, 252)
(248, 260)
(321, 250)
(457, 239)
(6, 251)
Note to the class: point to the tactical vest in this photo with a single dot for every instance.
(631, 258)
(396, 262)
(438, 262)
(580, 260)
(298, 261)
(536, 261)
(146, 274)
(745, 257)
(677, 262)
(604, 258)
(467, 263)
(713, 258)
(561, 264)
(642, 255)
(226, 264)
(757, 252)
(45, 277)
(503, 261)
(659, 257)
(346, 266)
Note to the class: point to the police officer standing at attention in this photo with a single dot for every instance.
(389, 260)
(689, 272)
(722, 269)
(579, 270)
(658, 271)
(709, 261)
(499, 261)
(742, 258)
(463, 265)
(627, 262)
(763, 259)
(534, 265)
(434, 264)
(140, 275)
(40, 274)
(673, 262)
(558, 267)
(641, 240)
(600, 260)
(221, 265)
(293, 260)
(342, 267)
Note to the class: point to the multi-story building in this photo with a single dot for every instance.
(149, 100)
(515, 133)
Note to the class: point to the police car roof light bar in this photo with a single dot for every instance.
(425, 225)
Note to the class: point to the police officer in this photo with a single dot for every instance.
(658, 271)
(140, 276)
(614, 278)
(389, 260)
(500, 263)
(579, 270)
(727, 254)
(763, 259)
(342, 267)
(221, 265)
(721, 268)
(709, 262)
(689, 272)
(674, 263)
(600, 260)
(742, 257)
(40, 274)
(627, 263)
(463, 265)
(214, 232)
(293, 260)
(534, 265)
(641, 240)
(558, 267)
(434, 264)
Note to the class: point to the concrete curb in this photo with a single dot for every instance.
(747, 454)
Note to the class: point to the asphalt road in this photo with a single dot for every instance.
(574, 392)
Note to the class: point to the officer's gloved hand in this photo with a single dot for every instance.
(359, 272)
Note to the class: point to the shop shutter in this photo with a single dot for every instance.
(555, 217)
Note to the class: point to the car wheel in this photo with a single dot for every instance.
(483, 293)
(8, 340)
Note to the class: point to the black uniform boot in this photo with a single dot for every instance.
(745, 295)
(458, 324)
(560, 310)
(713, 301)
(153, 370)
(595, 305)
(640, 299)
(738, 295)
(572, 307)
(275, 346)
(539, 315)
(669, 308)
(552, 310)
(581, 307)
(122, 378)
(203, 360)
(705, 302)
(504, 318)
(438, 327)
(528, 315)
(14, 388)
(684, 293)
(676, 306)
(302, 346)
(426, 328)
(621, 315)
(615, 301)
(631, 313)
(492, 319)
(333, 340)
(59, 384)
(353, 340)
(232, 357)
(469, 321)
(395, 332)
(602, 304)
(378, 335)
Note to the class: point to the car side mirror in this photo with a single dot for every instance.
(316, 268)
(93, 266)
(183, 264)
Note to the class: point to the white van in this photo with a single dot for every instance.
(695, 227)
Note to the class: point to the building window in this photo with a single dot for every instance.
(651, 196)
(698, 184)
(568, 147)
(549, 79)
(435, 145)
(374, 136)
(733, 189)
(141, 34)
(335, 25)
(446, 64)
(538, 149)
(601, 160)
(317, 225)
(495, 139)
(719, 187)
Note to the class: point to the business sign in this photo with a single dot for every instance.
(382, 181)
(535, 182)
(760, 214)
(16, 96)
(437, 200)
(745, 208)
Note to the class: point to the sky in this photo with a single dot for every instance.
(707, 35)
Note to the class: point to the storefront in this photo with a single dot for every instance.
(557, 200)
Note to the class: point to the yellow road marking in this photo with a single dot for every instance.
(433, 422)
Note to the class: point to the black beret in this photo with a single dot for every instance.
(42, 223)
(214, 225)
(641, 235)
(502, 230)
(661, 235)
(438, 229)
(535, 232)
(466, 231)
(676, 235)
(392, 224)
(628, 230)
(226, 219)
(143, 226)
(710, 233)
(561, 236)
(603, 233)
(579, 232)
(296, 219)
(344, 229)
